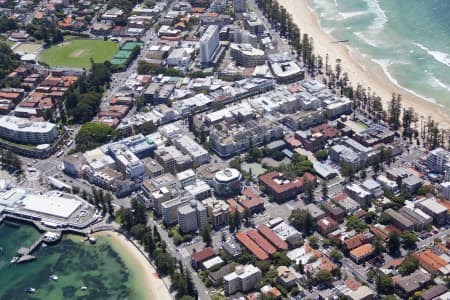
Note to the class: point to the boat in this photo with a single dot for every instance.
(30, 290)
(14, 259)
(44, 245)
(84, 288)
(53, 277)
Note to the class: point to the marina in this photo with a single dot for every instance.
(60, 271)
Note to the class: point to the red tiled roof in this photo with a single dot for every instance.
(430, 261)
(362, 251)
(203, 255)
(326, 224)
(354, 242)
(251, 246)
(261, 241)
(269, 180)
(272, 237)
(250, 200)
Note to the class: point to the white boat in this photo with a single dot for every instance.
(84, 288)
(30, 290)
(53, 277)
(14, 259)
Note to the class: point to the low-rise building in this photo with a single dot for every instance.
(282, 189)
(232, 248)
(24, 131)
(286, 277)
(314, 211)
(326, 225)
(227, 182)
(358, 193)
(400, 221)
(362, 253)
(247, 56)
(407, 285)
(334, 211)
(199, 257)
(432, 208)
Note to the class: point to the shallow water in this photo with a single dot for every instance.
(77, 264)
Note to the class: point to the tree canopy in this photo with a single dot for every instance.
(92, 135)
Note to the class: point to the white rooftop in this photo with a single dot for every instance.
(51, 205)
(21, 124)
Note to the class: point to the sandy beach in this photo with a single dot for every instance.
(369, 75)
(150, 284)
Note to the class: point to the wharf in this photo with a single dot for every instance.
(24, 253)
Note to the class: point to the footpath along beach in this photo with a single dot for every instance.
(359, 71)
(151, 287)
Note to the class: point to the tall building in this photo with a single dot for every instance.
(209, 42)
(24, 131)
(240, 6)
(437, 159)
(243, 279)
(192, 216)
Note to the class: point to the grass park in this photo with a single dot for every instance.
(78, 53)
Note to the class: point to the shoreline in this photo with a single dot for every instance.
(368, 74)
(150, 284)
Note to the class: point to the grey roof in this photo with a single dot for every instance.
(433, 292)
(399, 217)
(412, 180)
(413, 282)
(370, 184)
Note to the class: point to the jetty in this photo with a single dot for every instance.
(25, 253)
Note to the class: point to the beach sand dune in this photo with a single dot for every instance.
(150, 284)
(368, 76)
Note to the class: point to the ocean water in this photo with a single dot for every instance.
(409, 39)
(77, 264)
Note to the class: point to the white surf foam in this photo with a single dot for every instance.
(441, 57)
(380, 16)
(352, 14)
(435, 82)
(384, 64)
(363, 37)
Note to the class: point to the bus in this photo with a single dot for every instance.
(60, 153)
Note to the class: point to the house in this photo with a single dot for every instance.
(362, 253)
(199, 257)
(286, 277)
(326, 225)
(433, 292)
(314, 211)
(407, 285)
(432, 262)
(217, 276)
(334, 211)
(358, 240)
(362, 293)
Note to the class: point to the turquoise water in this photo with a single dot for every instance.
(77, 264)
(409, 39)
